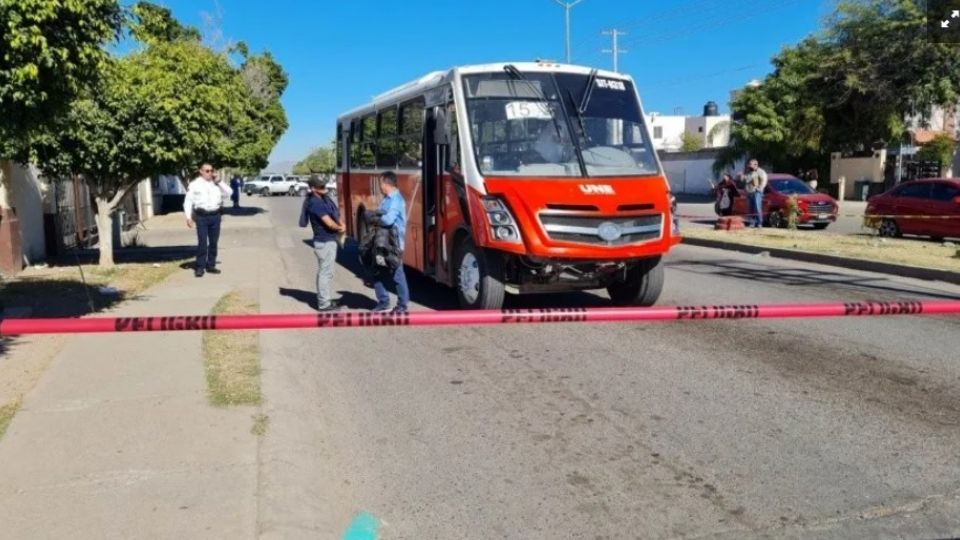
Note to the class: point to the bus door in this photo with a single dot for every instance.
(432, 175)
(343, 165)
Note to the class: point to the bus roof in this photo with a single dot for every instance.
(436, 78)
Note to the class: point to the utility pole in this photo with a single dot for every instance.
(567, 6)
(616, 51)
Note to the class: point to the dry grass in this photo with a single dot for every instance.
(919, 253)
(232, 359)
(61, 292)
(7, 412)
(260, 423)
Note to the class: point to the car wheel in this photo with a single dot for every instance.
(641, 286)
(265, 192)
(479, 277)
(889, 229)
(775, 220)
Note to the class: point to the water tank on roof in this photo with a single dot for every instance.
(711, 109)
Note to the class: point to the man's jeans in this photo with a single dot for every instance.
(326, 260)
(756, 209)
(400, 280)
(208, 236)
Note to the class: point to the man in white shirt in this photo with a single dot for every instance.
(202, 207)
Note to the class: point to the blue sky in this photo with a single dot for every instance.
(338, 54)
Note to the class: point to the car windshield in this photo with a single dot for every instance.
(791, 186)
(530, 125)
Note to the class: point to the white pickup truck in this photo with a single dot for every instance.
(273, 184)
(302, 187)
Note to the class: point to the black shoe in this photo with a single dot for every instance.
(381, 308)
(198, 273)
(332, 307)
(213, 271)
(399, 311)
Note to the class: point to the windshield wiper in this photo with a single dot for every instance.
(587, 92)
(580, 120)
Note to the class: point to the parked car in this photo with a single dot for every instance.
(272, 184)
(815, 209)
(908, 207)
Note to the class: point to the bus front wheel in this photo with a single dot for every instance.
(479, 277)
(640, 286)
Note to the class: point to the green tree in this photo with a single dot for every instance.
(690, 142)
(50, 51)
(849, 88)
(941, 149)
(321, 161)
(152, 24)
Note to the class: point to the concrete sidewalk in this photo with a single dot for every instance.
(118, 439)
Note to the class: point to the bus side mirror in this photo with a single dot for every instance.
(441, 130)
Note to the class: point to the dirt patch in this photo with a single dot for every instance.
(232, 359)
(919, 253)
(7, 411)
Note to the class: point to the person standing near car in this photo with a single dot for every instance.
(392, 214)
(203, 206)
(755, 180)
(322, 214)
(725, 192)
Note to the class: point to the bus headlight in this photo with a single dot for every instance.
(503, 226)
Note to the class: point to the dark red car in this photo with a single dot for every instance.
(816, 209)
(921, 207)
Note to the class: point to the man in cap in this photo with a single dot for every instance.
(321, 212)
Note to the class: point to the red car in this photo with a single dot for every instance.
(816, 209)
(908, 207)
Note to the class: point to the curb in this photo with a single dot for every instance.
(902, 270)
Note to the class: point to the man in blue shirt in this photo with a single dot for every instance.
(393, 214)
(322, 214)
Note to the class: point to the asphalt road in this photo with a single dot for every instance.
(834, 428)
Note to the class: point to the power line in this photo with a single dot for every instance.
(616, 51)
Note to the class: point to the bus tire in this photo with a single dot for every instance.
(478, 277)
(641, 286)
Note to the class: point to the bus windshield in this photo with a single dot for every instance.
(533, 126)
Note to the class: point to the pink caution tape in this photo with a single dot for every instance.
(13, 327)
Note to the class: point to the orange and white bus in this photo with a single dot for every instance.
(521, 178)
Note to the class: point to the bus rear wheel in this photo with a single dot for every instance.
(478, 277)
(641, 286)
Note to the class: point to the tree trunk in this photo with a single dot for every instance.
(106, 207)
(6, 182)
(105, 230)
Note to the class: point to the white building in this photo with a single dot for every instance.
(711, 129)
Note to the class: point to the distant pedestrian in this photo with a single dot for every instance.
(725, 192)
(813, 179)
(235, 185)
(392, 214)
(203, 207)
(321, 212)
(755, 180)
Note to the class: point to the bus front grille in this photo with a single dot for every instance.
(603, 230)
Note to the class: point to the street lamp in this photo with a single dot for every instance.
(567, 6)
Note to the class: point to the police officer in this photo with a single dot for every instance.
(203, 207)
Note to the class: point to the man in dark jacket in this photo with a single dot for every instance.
(391, 216)
(322, 214)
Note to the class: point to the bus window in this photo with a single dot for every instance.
(339, 146)
(355, 131)
(387, 141)
(368, 144)
(411, 134)
(453, 152)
